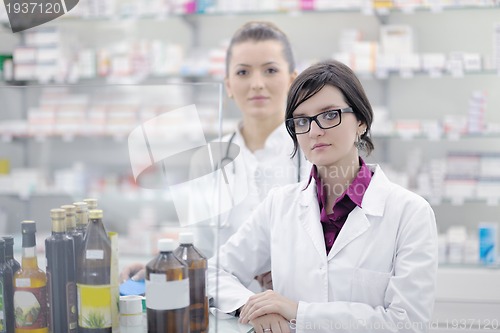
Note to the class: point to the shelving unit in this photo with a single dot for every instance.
(406, 95)
(425, 96)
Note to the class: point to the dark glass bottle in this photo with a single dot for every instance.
(30, 287)
(91, 203)
(197, 269)
(70, 223)
(93, 279)
(82, 217)
(9, 254)
(167, 291)
(6, 294)
(61, 278)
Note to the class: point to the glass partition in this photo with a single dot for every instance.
(150, 154)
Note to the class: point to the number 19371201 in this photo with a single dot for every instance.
(34, 7)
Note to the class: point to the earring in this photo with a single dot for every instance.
(230, 96)
(360, 143)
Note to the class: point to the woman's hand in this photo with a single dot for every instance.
(135, 271)
(271, 323)
(268, 302)
(265, 280)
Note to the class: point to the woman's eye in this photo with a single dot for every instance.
(271, 70)
(330, 115)
(301, 122)
(241, 72)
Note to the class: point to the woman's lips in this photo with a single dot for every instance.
(319, 145)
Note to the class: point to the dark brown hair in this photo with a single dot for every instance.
(334, 73)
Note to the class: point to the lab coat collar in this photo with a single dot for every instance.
(373, 199)
(357, 222)
(278, 140)
(377, 192)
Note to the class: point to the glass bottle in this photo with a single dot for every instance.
(82, 217)
(9, 254)
(70, 223)
(93, 279)
(61, 278)
(197, 269)
(30, 287)
(6, 294)
(167, 291)
(91, 203)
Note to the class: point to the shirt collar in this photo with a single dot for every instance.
(356, 189)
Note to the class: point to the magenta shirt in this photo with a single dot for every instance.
(345, 203)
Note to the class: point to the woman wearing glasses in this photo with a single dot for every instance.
(260, 67)
(349, 250)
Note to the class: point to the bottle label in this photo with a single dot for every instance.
(94, 306)
(166, 295)
(30, 306)
(2, 310)
(71, 302)
(95, 254)
(23, 283)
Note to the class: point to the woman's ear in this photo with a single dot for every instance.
(361, 128)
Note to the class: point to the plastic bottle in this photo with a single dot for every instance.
(167, 291)
(197, 270)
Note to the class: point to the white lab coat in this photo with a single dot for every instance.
(379, 275)
(252, 174)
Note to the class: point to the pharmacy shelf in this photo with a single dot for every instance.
(147, 80)
(206, 78)
(363, 9)
(140, 195)
(435, 137)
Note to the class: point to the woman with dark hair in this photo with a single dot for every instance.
(349, 250)
(259, 70)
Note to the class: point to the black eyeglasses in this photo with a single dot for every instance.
(325, 120)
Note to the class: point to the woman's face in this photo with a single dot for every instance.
(333, 146)
(259, 79)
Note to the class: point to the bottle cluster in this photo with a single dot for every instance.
(75, 293)
(176, 298)
(78, 290)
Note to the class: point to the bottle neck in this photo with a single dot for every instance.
(2, 256)
(9, 252)
(29, 259)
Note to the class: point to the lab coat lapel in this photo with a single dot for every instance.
(310, 219)
(356, 224)
(373, 204)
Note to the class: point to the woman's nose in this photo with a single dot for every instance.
(315, 130)
(257, 82)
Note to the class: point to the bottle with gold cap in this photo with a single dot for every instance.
(91, 203)
(30, 287)
(93, 279)
(82, 217)
(70, 223)
(61, 278)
